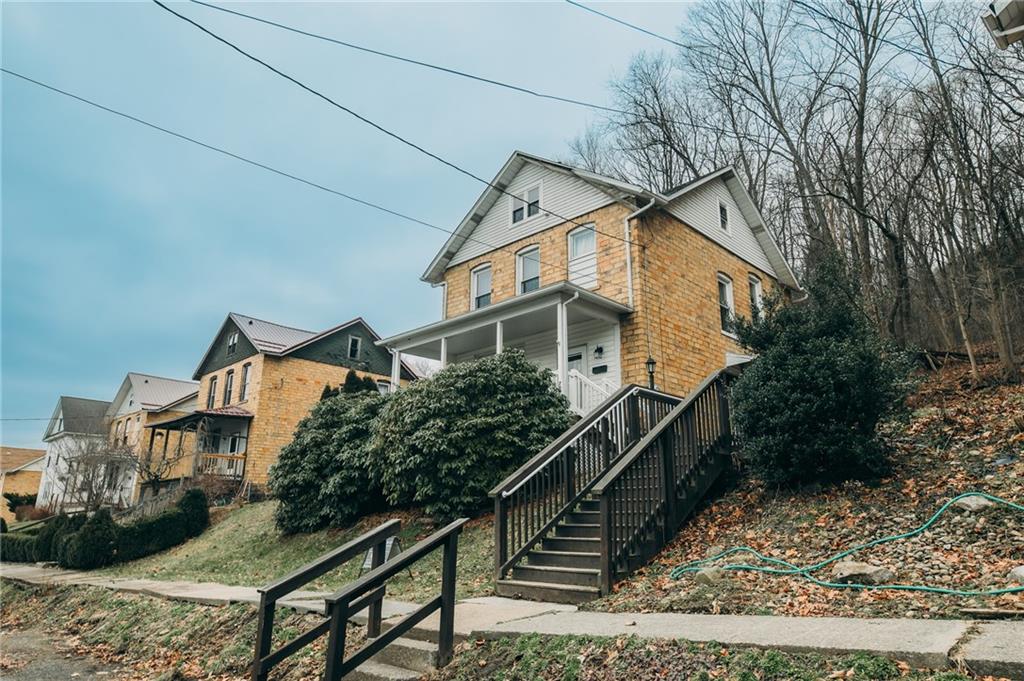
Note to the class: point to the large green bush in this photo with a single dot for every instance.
(197, 511)
(49, 537)
(323, 476)
(807, 408)
(152, 535)
(443, 443)
(93, 545)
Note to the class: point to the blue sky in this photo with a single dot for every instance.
(122, 249)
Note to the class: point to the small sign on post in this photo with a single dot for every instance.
(392, 547)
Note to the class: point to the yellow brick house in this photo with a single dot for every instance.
(604, 282)
(258, 379)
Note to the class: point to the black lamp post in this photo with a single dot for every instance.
(650, 364)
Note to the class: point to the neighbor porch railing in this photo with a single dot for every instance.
(532, 500)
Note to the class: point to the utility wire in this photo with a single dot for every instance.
(634, 115)
(371, 123)
(290, 176)
(628, 25)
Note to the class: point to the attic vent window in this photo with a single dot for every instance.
(354, 346)
(232, 343)
(526, 204)
(723, 216)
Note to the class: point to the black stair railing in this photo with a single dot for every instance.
(531, 501)
(651, 489)
(367, 592)
(265, 659)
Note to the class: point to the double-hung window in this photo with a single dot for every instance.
(243, 389)
(528, 270)
(583, 256)
(232, 343)
(355, 343)
(229, 384)
(480, 283)
(726, 307)
(756, 296)
(723, 216)
(211, 397)
(526, 204)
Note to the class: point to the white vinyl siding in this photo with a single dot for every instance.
(700, 209)
(561, 194)
(540, 349)
(583, 257)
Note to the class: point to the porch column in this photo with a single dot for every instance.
(444, 352)
(396, 370)
(499, 337)
(562, 348)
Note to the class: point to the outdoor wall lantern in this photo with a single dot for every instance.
(599, 352)
(650, 364)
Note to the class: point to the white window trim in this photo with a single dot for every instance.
(758, 304)
(534, 248)
(568, 244)
(728, 217)
(472, 284)
(522, 196)
(232, 344)
(730, 294)
(348, 347)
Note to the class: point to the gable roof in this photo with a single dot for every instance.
(152, 393)
(80, 416)
(13, 458)
(435, 271)
(279, 340)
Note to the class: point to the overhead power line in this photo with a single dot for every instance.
(373, 124)
(520, 89)
(627, 24)
(282, 173)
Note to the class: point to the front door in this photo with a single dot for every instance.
(578, 359)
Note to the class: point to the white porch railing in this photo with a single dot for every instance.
(584, 394)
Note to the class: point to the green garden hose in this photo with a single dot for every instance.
(788, 568)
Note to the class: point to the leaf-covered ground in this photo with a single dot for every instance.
(574, 658)
(244, 548)
(957, 438)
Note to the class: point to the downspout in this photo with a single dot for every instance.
(629, 249)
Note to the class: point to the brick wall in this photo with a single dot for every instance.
(554, 246)
(18, 482)
(676, 302)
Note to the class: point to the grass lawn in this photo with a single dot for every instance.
(576, 658)
(244, 548)
(958, 438)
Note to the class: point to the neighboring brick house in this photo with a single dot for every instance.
(601, 280)
(142, 400)
(20, 472)
(258, 379)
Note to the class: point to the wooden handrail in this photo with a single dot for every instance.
(627, 459)
(265, 659)
(370, 588)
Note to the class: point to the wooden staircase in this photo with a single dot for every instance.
(608, 494)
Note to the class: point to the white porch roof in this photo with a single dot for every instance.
(522, 315)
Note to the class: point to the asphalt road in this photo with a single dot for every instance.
(31, 655)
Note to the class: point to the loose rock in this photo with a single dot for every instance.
(973, 504)
(849, 571)
(711, 575)
(1016, 575)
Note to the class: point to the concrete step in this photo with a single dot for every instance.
(544, 591)
(578, 530)
(409, 653)
(556, 575)
(574, 544)
(376, 671)
(574, 559)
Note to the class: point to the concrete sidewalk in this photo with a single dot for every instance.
(994, 648)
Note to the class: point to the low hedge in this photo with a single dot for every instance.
(86, 543)
(17, 548)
